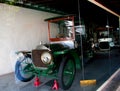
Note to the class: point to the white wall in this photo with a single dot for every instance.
(20, 29)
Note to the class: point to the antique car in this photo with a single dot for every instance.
(58, 59)
(105, 39)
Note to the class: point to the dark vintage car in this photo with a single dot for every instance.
(58, 59)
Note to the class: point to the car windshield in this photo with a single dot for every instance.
(61, 29)
(104, 34)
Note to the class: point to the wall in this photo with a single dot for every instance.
(20, 29)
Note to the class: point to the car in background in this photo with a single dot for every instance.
(105, 40)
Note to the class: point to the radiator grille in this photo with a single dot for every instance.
(36, 56)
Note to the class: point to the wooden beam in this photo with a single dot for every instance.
(103, 7)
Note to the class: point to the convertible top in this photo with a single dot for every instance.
(103, 28)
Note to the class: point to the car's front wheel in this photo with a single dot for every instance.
(66, 72)
(23, 70)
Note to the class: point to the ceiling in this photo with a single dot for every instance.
(86, 10)
(72, 5)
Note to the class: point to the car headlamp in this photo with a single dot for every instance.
(46, 57)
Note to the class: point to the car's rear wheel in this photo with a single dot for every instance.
(66, 72)
(23, 70)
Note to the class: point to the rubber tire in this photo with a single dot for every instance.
(18, 73)
(61, 70)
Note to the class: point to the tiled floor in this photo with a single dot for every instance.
(100, 68)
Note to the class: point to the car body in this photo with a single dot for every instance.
(105, 39)
(58, 59)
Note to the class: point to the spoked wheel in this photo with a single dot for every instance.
(23, 70)
(66, 72)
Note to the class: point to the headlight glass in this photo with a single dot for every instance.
(46, 57)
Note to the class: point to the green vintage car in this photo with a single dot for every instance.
(58, 59)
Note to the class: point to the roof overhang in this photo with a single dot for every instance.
(103, 7)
